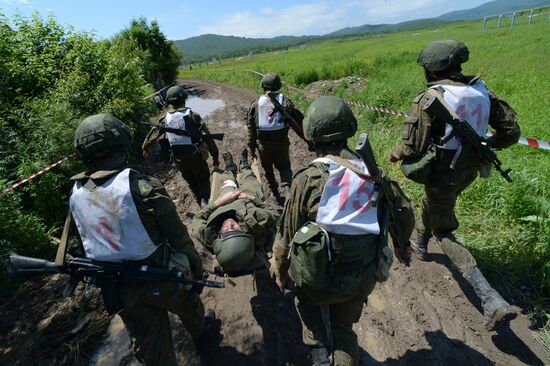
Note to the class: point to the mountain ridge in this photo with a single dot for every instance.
(207, 47)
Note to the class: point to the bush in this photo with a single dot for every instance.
(52, 78)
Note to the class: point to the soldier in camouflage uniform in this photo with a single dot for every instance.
(238, 224)
(329, 241)
(268, 133)
(120, 214)
(470, 100)
(189, 153)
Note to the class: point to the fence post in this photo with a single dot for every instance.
(513, 19)
(531, 16)
(484, 23)
(499, 20)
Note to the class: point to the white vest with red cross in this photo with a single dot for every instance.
(108, 221)
(345, 206)
(178, 120)
(270, 119)
(470, 103)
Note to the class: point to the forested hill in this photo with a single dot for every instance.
(385, 28)
(211, 46)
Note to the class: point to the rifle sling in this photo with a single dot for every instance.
(348, 165)
(294, 124)
(62, 248)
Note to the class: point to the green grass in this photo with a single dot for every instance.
(506, 226)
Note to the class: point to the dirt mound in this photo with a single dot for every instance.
(328, 87)
(426, 314)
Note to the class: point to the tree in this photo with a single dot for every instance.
(161, 58)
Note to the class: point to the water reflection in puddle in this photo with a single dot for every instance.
(203, 106)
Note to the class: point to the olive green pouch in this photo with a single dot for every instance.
(419, 168)
(310, 257)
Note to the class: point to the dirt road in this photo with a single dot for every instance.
(426, 314)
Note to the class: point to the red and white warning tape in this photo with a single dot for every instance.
(545, 145)
(34, 175)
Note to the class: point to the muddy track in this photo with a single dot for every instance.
(425, 314)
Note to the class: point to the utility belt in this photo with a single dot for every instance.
(316, 255)
(273, 136)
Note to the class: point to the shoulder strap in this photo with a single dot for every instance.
(436, 94)
(62, 248)
(348, 165)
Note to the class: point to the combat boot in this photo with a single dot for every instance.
(319, 356)
(496, 311)
(419, 245)
(229, 163)
(205, 338)
(244, 160)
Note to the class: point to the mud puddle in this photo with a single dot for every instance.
(202, 106)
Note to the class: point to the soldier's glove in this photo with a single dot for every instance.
(179, 262)
(216, 161)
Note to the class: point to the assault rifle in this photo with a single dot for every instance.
(383, 184)
(436, 106)
(296, 126)
(103, 274)
(178, 131)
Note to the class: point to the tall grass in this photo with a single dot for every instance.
(506, 226)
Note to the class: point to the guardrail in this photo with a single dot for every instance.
(533, 13)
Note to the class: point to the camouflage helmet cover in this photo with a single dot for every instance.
(99, 132)
(443, 54)
(234, 250)
(329, 119)
(271, 81)
(176, 93)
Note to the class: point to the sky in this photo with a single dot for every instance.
(257, 19)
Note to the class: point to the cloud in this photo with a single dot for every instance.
(297, 19)
(14, 2)
(325, 16)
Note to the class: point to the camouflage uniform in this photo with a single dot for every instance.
(420, 130)
(146, 303)
(273, 146)
(334, 259)
(255, 216)
(350, 284)
(121, 215)
(190, 160)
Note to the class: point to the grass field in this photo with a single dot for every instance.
(506, 226)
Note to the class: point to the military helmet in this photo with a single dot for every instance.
(176, 93)
(329, 119)
(100, 132)
(442, 55)
(234, 250)
(271, 81)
